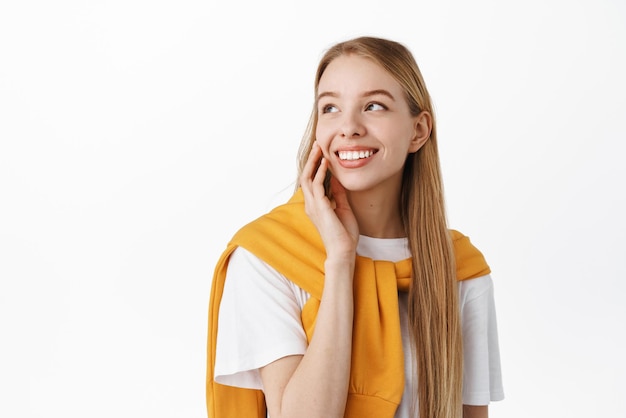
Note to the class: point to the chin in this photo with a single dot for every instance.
(357, 186)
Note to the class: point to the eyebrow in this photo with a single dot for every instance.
(365, 94)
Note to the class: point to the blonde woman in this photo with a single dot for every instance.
(354, 299)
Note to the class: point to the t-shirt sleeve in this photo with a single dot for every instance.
(259, 321)
(482, 377)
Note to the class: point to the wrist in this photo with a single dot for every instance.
(343, 263)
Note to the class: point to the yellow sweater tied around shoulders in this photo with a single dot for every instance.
(288, 241)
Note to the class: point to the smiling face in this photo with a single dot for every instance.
(364, 127)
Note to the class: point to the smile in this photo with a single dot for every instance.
(355, 155)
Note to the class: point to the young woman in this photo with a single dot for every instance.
(354, 298)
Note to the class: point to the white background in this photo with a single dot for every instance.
(137, 136)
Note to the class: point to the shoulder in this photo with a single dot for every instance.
(470, 262)
(284, 229)
(479, 287)
(287, 240)
(250, 279)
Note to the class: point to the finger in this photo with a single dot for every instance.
(310, 167)
(320, 175)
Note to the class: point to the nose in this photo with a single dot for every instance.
(352, 125)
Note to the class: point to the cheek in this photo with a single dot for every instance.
(398, 135)
(323, 137)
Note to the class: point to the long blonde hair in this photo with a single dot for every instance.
(433, 302)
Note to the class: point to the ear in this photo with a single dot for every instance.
(423, 125)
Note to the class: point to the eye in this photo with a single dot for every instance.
(375, 106)
(329, 109)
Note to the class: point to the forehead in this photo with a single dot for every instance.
(353, 74)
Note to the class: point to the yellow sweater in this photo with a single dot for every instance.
(288, 241)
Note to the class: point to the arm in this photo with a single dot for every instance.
(481, 369)
(318, 381)
(473, 411)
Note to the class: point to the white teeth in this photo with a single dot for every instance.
(354, 155)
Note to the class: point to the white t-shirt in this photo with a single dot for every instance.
(259, 322)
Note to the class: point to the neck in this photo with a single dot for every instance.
(378, 214)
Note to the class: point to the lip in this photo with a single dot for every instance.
(358, 162)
